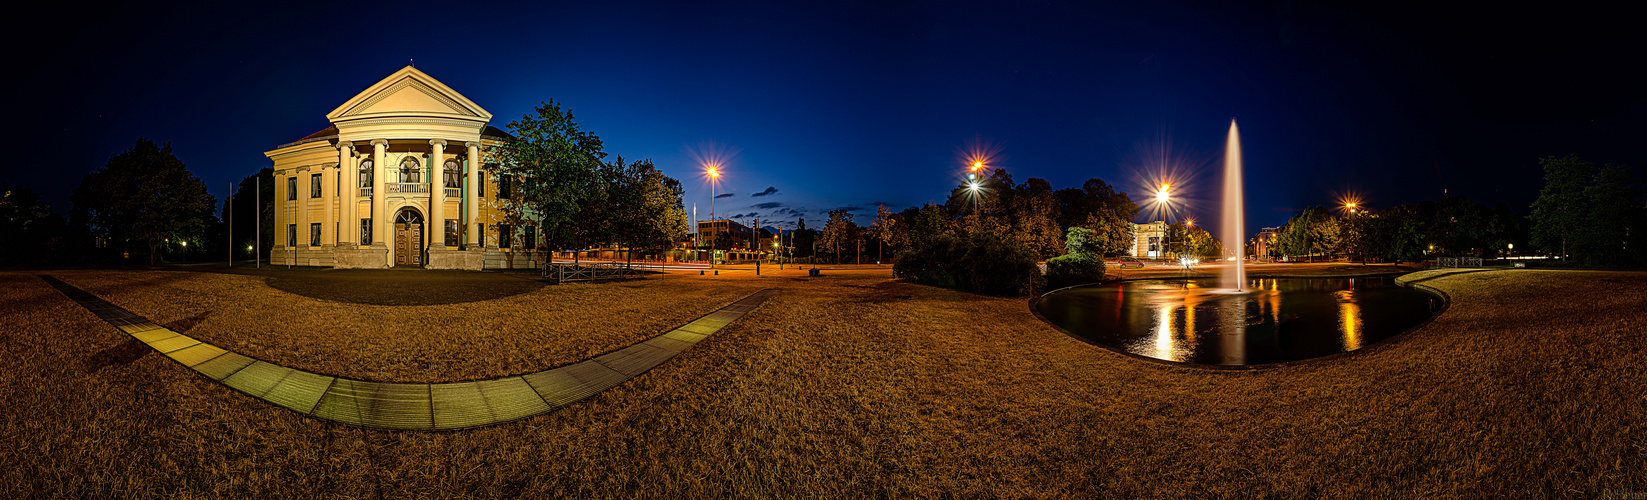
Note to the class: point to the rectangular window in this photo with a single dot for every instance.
(480, 230)
(291, 188)
(314, 186)
(366, 174)
(291, 235)
(504, 191)
(451, 232)
(505, 234)
(480, 184)
(531, 237)
(366, 231)
(314, 234)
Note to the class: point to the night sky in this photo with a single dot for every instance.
(855, 104)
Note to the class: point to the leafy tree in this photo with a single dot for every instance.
(884, 229)
(1097, 206)
(1593, 215)
(557, 163)
(251, 203)
(144, 193)
(1081, 262)
(34, 233)
(1559, 210)
(654, 216)
(1459, 228)
(838, 231)
(1034, 218)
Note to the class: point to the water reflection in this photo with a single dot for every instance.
(1276, 320)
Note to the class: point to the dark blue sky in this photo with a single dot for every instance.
(851, 104)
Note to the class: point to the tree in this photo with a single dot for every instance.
(249, 207)
(1593, 215)
(1559, 210)
(144, 193)
(883, 229)
(557, 163)
(34, 233)
(838, 231)
(1034, 219)
(654, 215)
(1081, 262)
(1097, 206)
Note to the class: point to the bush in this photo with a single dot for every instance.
(983, 262)
(1074, 269)
(1080, 265)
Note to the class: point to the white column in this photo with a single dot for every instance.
(437, 196)
(328, 228)
(380, 222)
(471, 202)
(348, 228)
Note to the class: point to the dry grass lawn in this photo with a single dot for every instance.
(1529, 386)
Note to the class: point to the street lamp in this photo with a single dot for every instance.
(714, 174)
(1161, 196)
(1350, 206)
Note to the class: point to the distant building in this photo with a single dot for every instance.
(1261, 243)
(1149, 241)
(710, 230)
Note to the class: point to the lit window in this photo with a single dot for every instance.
(314, 186)
(411, 170)
(450, 173)
(291, 188)
(366, 173)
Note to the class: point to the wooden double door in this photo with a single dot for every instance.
(408, 239)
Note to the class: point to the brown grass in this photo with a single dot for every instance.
(1529, 386)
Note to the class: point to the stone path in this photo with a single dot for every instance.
(403, 406)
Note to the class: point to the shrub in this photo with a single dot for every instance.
(1074, 269)
(1080, 265)
(982, 262)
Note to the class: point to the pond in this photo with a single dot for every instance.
(1275, 321)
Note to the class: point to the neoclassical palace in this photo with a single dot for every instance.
(396, 180)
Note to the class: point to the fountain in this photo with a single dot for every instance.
(1235, 277)
(1230, 321)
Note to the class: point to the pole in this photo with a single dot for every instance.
(257, 252)
(230, 210)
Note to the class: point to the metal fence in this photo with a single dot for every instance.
(566, 273)
(1446, 262)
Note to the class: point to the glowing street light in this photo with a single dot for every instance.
(714, 174)
(1161, 195)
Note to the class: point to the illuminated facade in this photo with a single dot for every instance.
(396, 180)
(1149, 241)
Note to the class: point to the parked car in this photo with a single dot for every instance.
(1126, 262)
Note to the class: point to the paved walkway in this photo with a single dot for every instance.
(400, 406)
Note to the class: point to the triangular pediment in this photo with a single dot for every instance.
(409, 92)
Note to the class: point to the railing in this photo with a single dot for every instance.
(406, 187)
(366, 192)
(565, 273)
(1446, 262)
(454, 192)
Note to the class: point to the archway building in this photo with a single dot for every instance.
(396, 180)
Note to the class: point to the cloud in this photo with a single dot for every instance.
(724, 195)
(769, 190)
(849, 208)
(766, 206)
(889, 205)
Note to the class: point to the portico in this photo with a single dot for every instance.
(396, 180)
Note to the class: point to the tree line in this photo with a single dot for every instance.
(1585, 215)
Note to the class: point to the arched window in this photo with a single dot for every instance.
(450, 173)
(366, 173)
(411, 170)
